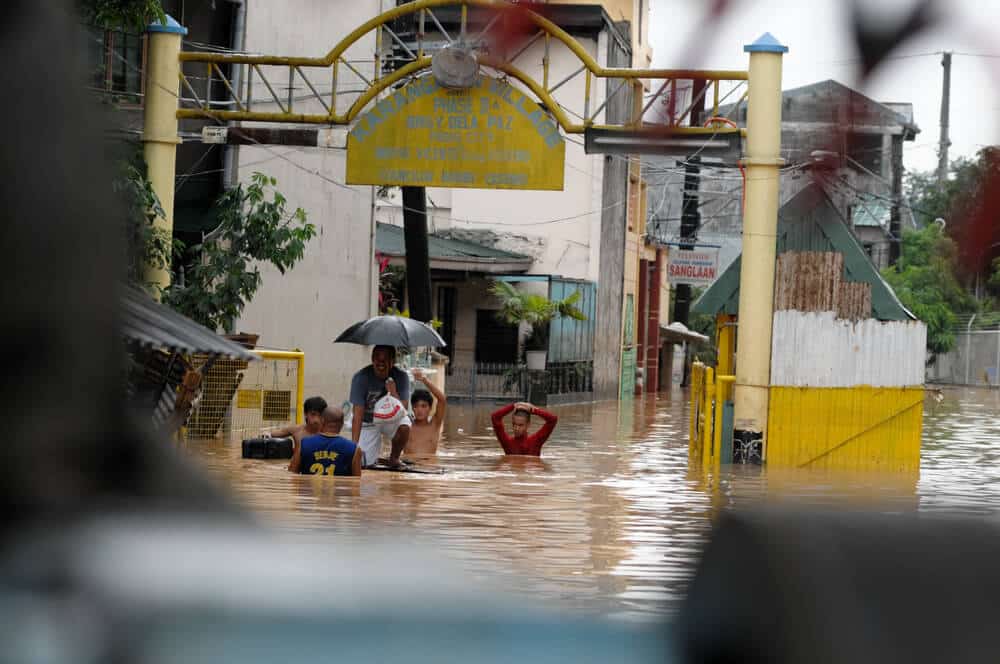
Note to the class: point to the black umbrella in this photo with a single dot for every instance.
(391, 331)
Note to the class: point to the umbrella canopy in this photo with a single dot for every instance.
(391, 331)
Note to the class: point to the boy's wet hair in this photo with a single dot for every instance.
(422, 395)
(314, 405)
(521, 412)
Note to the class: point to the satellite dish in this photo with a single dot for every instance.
(455, 67)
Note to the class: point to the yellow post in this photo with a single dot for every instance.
(706, 431)
(760, 224)
(159, 134)
(300, 389)
(722, 383)
(725, 335)
(695, 397)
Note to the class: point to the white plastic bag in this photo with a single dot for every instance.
(387, 415)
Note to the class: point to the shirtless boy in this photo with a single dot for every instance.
(425, 433)
(313, 408)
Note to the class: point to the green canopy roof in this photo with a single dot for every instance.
(449, 253)
(810, 222)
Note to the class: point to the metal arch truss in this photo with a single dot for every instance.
(413, 58)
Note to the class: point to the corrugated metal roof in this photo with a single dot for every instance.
(810, 222)
(812, 349)
(389, 241)
(862, 107)
(870, 211)
(149, 323)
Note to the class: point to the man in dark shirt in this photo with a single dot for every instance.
(370, 384)
(520, 442)
(327, 453)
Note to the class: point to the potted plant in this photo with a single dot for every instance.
(536, 312)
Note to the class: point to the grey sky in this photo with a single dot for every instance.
(816, 32)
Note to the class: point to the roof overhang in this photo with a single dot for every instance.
(678, 333)
(471, 264)
(144, 321)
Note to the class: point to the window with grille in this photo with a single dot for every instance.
(116, 62)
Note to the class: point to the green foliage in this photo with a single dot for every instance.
(925, 282)
(145, 244)
(931, 200)
(254, 228)
(128, 15)
(537, 311)
(966, 200)
(994, 280)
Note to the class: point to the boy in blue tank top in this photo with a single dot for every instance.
(327, 452)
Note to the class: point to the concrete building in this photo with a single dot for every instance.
(117, 62)
(585, 237)
(335, 283)
(831, 134)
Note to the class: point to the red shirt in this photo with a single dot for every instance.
(525, 444)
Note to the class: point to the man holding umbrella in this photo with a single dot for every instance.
(370, 384)
(382, 377)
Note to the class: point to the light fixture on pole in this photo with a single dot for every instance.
(455, 67)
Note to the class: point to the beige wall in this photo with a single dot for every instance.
(665, 304)
(334, 285)
(571, 247)
(633, 11)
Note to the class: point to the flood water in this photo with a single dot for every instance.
(610, 520)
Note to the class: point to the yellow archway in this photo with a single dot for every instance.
(331, 66)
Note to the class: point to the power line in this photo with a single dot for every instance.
(356, 192)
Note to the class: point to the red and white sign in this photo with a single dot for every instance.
(698, 267)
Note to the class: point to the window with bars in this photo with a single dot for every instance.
(117, 64)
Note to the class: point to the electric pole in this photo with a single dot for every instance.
(942, 173)
(418, 269)
(690, 216)
(415, 243)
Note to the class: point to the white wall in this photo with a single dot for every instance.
(814, 349)
(334, 285)
(570, 248)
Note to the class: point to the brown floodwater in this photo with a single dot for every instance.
(610, 520)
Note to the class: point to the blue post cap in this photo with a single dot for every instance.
(766, 43)
(171, 26)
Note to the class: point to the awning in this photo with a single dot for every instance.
(446, 253)
(149, 323)
(678, 333)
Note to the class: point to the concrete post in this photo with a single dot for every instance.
(760, 223)
(159, 135)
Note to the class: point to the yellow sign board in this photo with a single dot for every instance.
(490, 136)
(248, 399)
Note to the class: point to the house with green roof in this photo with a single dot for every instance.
(811, 221)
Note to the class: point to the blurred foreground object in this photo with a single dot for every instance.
(191, 590)
(844, 588)
(161, 383)
(114, 549)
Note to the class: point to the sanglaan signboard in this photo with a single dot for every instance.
(698, 267)
(489, 136)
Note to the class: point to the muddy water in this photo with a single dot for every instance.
(609, 521)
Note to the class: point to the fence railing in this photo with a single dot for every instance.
(564, 383)
(239, 398)
(707, 442)
(974, 359)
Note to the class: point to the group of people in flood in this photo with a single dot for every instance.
(321, 448)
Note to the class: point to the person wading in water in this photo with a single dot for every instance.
(520, 442)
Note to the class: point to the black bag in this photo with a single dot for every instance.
(267, 448)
